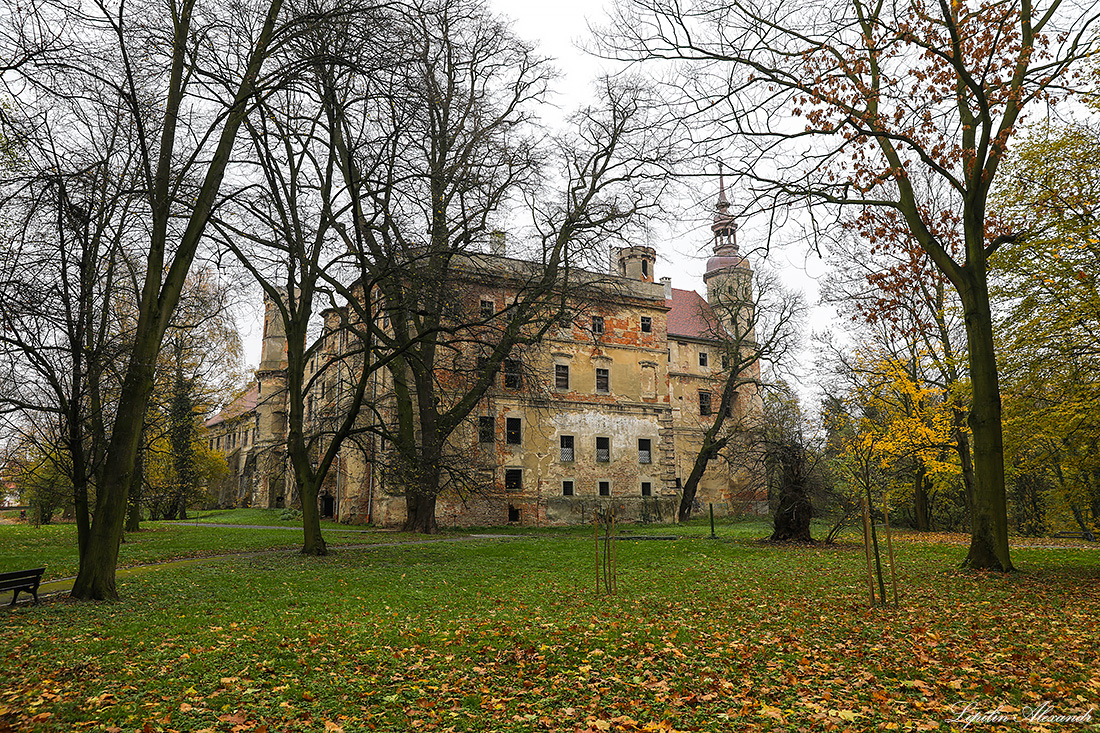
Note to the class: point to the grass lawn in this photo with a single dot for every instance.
(23, 546)
(510, 635)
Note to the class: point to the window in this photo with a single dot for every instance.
(211, 444)
(488, 307)
(704, 403)
(645, 268)
(603, 380)
(513, 431)
(513, 480)
(645, 454)
(482, 364)
(513, 377)
(647, 488)
(566, 448)
(647, 324)
(702, 358)
(603, 450)
(597, 324)
(605, 488)
(486, 429)
(567, 488)
(561, 376)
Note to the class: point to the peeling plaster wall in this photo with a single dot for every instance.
(653, 383)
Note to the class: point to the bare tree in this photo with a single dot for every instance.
(65, 300)
(290, 230)
(180, 79)
(461, 151)
(841, 104)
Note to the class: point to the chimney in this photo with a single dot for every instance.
(496, 243)
(667, 282)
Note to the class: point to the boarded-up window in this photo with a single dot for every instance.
(649, 381)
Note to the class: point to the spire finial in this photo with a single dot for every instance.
(723, 202)
(724, 226)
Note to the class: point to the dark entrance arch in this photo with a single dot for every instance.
(328, 505)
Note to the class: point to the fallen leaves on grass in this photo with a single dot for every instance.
(743, 640)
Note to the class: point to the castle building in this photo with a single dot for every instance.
(611, 407)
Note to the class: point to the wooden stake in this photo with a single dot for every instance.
(596, 528)
(890, 548)
(614, 556)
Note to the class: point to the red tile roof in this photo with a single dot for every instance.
(242, 405)
(690, 315)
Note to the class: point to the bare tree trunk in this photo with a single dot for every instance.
(792, 516)
(420, 515)
(691, 486)
(988, 516)
(313, 543)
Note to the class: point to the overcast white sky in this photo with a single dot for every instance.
(561, 28)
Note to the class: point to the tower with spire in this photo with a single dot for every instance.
(728, 276)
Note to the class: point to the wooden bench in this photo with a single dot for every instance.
(1087, 536)
(21, 580)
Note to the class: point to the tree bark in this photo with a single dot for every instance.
(420, 516)
(96, 578)
(691, 486)
(313, 543)
(792, 516)
(988, 516)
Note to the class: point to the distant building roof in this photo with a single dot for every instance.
(690, 315)
(243, 405)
